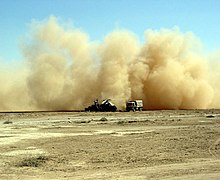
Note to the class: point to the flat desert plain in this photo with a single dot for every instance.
(171, 144)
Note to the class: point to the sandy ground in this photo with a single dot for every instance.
(134, 145)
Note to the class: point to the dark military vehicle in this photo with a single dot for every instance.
(105, 106)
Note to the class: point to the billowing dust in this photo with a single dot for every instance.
(64, 70)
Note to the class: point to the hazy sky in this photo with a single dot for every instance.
(99, 17)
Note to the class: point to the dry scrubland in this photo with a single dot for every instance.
(140, 145)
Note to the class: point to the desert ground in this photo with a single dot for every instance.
(171, 144)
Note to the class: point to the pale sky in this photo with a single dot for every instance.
(99, 17)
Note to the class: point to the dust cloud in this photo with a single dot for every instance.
(63, 70)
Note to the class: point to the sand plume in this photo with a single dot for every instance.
(176, 75)
(63, 69)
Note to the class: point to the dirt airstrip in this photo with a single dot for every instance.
(182, 144)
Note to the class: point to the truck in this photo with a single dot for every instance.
(105, 106)
(135, 105)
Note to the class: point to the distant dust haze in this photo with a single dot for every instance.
(63, 70)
